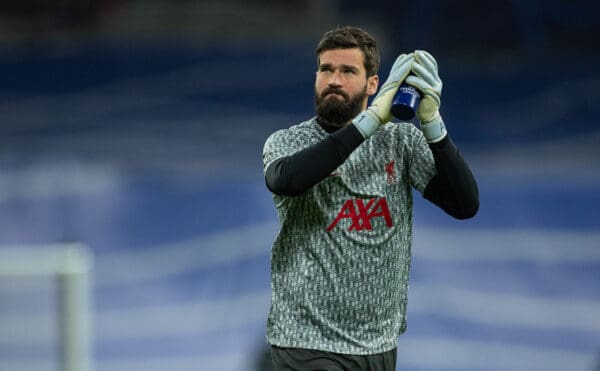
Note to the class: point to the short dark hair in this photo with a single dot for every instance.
(348, 37)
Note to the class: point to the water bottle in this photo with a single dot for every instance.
(405, 103)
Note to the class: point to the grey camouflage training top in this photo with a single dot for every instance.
(340, 263)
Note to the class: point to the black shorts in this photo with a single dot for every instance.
(296, 359)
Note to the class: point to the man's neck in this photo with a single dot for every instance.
(330, 128)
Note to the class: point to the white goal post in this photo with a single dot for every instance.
(69, 265)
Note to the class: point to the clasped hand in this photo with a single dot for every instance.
(420, 70)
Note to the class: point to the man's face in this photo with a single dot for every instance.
(342, 87)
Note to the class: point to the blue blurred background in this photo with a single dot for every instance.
(137, 128)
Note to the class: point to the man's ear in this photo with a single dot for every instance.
(372, 83)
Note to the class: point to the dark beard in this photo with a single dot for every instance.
(335, 112)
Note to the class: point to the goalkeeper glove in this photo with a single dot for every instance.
(378, 113)
(425, 78)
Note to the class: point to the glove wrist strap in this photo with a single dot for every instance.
(367, 123)
(435, 130)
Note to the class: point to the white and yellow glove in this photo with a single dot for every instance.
(378, 113)
(424, 77)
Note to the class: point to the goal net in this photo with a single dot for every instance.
(45, 308)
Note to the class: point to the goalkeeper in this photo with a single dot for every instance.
(342, 184)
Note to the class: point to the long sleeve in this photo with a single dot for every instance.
(453, 188)
(293, 175)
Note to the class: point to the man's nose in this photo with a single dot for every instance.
(336, 79)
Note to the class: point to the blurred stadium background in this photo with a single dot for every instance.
(136, 128)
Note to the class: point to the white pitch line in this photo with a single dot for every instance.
(511, 310)
(506, 245)
(138, 265)
(447, 353)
